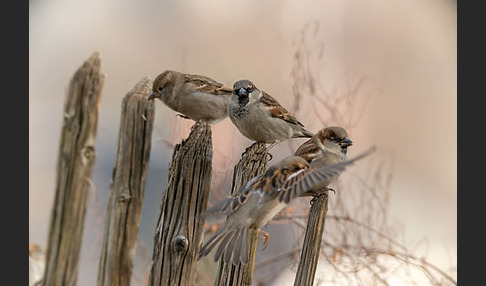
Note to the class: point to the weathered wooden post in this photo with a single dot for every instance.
(249, 166)
(309, 256)
(127, 187)
(179, 229)
(75, 164)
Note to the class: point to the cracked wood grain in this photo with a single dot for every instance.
(75, 162)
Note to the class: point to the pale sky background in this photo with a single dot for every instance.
(406, 48)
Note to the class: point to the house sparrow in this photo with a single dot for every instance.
(197, 97)
(260, 117)
(328, 146)
(260, 199)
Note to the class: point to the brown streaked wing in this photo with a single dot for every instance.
(300, 183)
(230, 204)
(287, 192)
(277, 110)
(208, 85)
(308, 150)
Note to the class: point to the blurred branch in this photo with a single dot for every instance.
(275, 258)
(304, 80)
(405, 256)
(352, 230)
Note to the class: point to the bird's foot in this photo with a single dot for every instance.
(265, 152)
(195, 125)
(261, 155)
(314, 198)
(248, 148)
(317, 195)
(266, 236)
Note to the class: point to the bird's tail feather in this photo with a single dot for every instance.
(212, 242)
(236, 250)
(232, 245)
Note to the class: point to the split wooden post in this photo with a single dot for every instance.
(75, 162)
(127, 187)
(249, 166)
(179, 229)
(309, 256)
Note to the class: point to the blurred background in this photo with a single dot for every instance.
(388, 70)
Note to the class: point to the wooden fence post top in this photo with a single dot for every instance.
(127, 187)
(75, 162)
(179, 230)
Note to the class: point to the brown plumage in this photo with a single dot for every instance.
(260, 199)
(260, 117)
(197, 97)
(328, 146)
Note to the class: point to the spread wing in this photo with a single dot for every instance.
(230, 204)
(298, 183)
(270, 183)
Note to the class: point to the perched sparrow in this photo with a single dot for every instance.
(328, 146)
(197, 97)
(259, 116)
(260, 199)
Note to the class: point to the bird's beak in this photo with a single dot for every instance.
(242, 91)
(152, 95)
(346, 142)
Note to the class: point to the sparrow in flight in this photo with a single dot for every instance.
(260, 199)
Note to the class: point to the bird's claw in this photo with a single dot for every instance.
(261, 156)
(248, 148)
(195, 124)
(314, 198)
(266, 236)
(319, 194)
(270, 156)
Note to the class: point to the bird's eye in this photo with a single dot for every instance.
(235, 91)
(161, 88)
(249, 89)
(335, 139)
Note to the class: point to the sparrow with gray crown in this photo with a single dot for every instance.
(260, 199)
(260, 117)
(196, 97)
